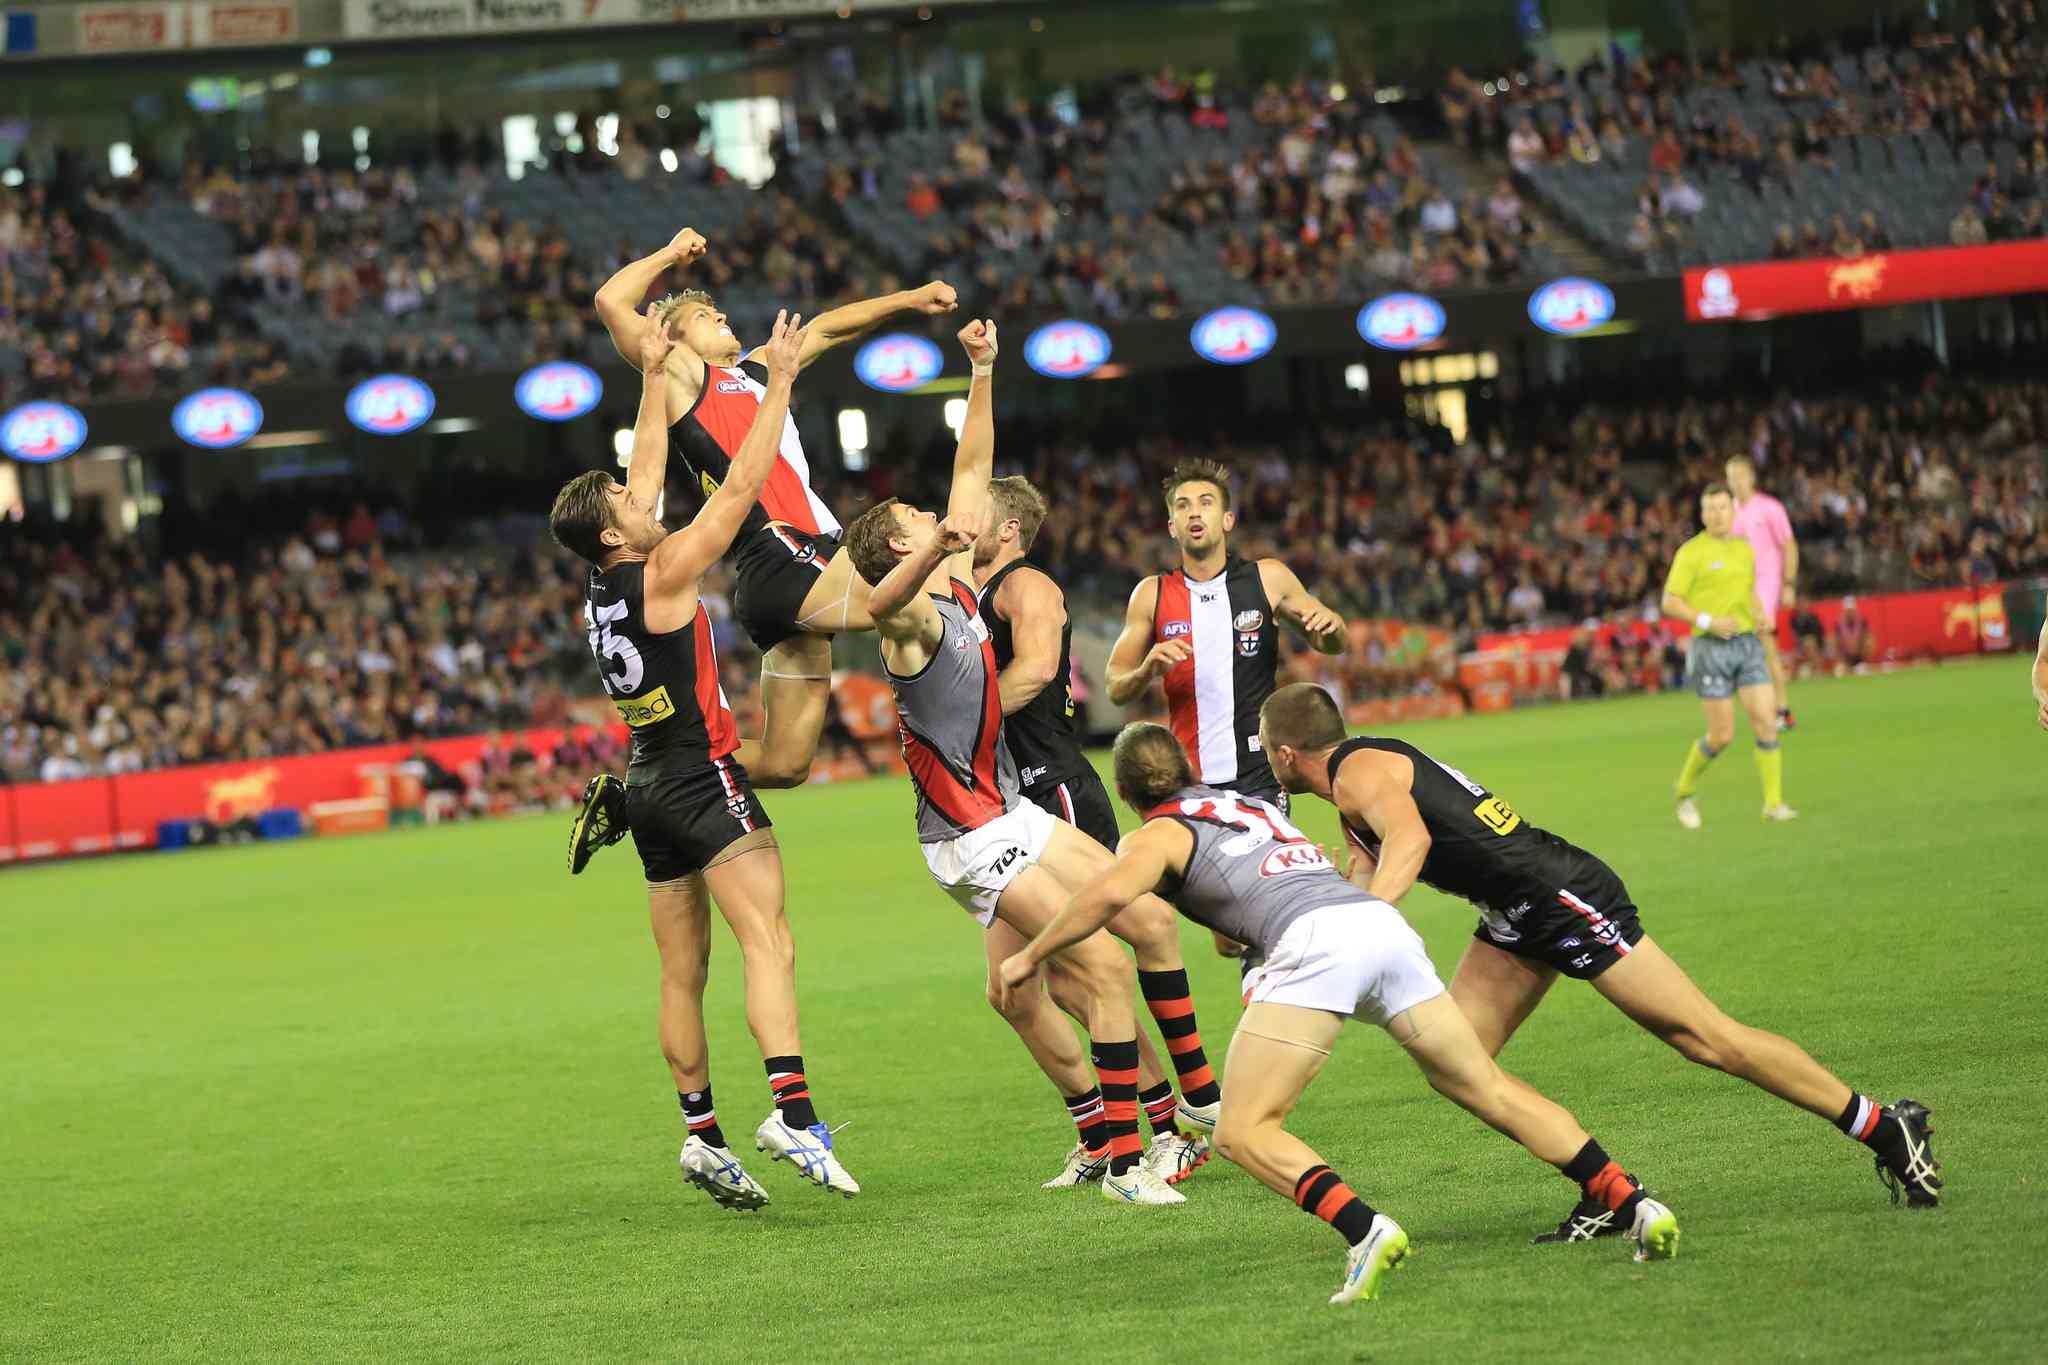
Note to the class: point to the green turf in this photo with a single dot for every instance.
(398, 1097)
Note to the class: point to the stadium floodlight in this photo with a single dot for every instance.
(622, 446)
(853, 431)
(956, 415)
(1356, 378)
(668, 160)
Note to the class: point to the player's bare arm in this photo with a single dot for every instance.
(647, 475)
(1375, 789)
(2041, 678)
(618, 298)
(1788, 594)
(1294, 603)
(676, 565)
(1134, 664)
(1037, 612)
(852, 321)
(910, 626)
(1144, 858)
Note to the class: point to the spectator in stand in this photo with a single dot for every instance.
(1966, 228)
(1785, 245)
(1526, 148)
(1666, 154)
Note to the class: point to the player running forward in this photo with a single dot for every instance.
(1760, 519)
(1004, 860)
(699, 828)
(1548, 907)
(1026, 615)
(794, 586)
(1330, 953)
(1713, 585)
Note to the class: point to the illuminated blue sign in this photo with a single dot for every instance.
(898, 363)
(1233, 336)
(1401, 322)
(1571, 306)
(1067, 349)
(558, 391)
(217, 418)
(42, 432)
(389, 404)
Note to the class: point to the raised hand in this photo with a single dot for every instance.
(686, 246)
(655, 347)
(1164, 655)
(959, 531)
(1013, 972)
(1320, 621)
(936, 298)
(978, 339)
(783, 352)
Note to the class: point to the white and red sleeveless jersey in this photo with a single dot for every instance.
(1213, 697)
(708, 436)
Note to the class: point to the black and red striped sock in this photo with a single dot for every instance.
(1166, 995)
(699, 1117)
(792, 1091)
(1861, 1119)
(1116, 1068)
(1090, 1124)
(1600, 1178)
(1320, 1192)
(1159, 1103)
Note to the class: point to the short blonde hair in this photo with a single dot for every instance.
(1017, 500)
(666, 307)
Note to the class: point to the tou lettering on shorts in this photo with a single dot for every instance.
(645, 709)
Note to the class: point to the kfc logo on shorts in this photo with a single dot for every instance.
(1294, 858)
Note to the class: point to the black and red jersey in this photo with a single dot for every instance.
(707, 438)
(949, 715)
(665, 686)
(1042, 734)
(1213, 697)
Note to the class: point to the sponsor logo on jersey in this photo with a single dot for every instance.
(898, 362)
(389, 404)
(1571, 305)
(41, 432)
(645, 709)
(1233, 336)
(1173, 630)
(217, 418)
(732, 386)
(1250, 620)
(559, 391)
(1068, 349)
(1288, 858)
(1497, 815)
(1401, 322)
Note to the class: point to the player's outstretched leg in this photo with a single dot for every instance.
(1050, 1040)
(796, 692)
(1440, 1039)
(745, 880)
(1276, 1052)
(681, 920)
(1652, 989)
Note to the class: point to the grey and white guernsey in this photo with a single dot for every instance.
(949, 716)
(1251, 874)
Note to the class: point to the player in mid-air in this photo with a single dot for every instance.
(700, 831)
(1761, 520)
(1549, 908)
(1712, 584)
(1329, 953)
(794, 586)
(1028, 627)
(1001, 858)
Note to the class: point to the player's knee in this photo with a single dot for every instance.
(1237, 1137)
(1149, 923)
(1707, 1046)
(769, 944)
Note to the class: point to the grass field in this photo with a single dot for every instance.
(398, 1097)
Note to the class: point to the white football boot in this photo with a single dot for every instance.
(717, 1172)
(808, 1149)
(1655, 1232)
(1201, 1119)
(1367, 1265)
(1175, 1156)
(1083, 1167)
(1689, 812)
(1140, 1186)
(1781, 811)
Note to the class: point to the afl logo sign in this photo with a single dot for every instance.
(1401, 322)
(1571, 306)
(1233, 336)
(1293, 858)
(42, 432)
(389, 404)
(217, 418)
(558, 392)
(898, 363)
(1067, 349)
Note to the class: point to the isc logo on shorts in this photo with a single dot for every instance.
(645, 709)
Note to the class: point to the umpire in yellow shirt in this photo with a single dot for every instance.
(1713, 586)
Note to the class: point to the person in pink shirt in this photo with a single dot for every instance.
(1760, 519)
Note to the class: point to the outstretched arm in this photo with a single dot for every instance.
(1143, 860)
(852, 321)
(681, 559)
(618, 299)
(648, 474)
(1293, 602)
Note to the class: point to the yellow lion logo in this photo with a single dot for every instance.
(1859, 279)
(234, 797)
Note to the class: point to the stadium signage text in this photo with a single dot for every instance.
(217, 418)
(1766, 289)
(1233, 336)
(1067, 349)
(389, 404)
(42, 432)
(898, 363)
(1572, 305)
(558, 392)
(440, 18)
(1401, 322)
(96, 30)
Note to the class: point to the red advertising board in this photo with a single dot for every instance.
(57, 819)
(8, 852)
(1764, 289)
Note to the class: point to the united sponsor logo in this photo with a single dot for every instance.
(1286, 858)
(898, 362)
(217, 418)
(389, 404)
(1401, 322)
(1174, 630)
(42, 432)
(645, 709)
(1233, 336)
(558, 392)
(1068, 349)
(1571, 305)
